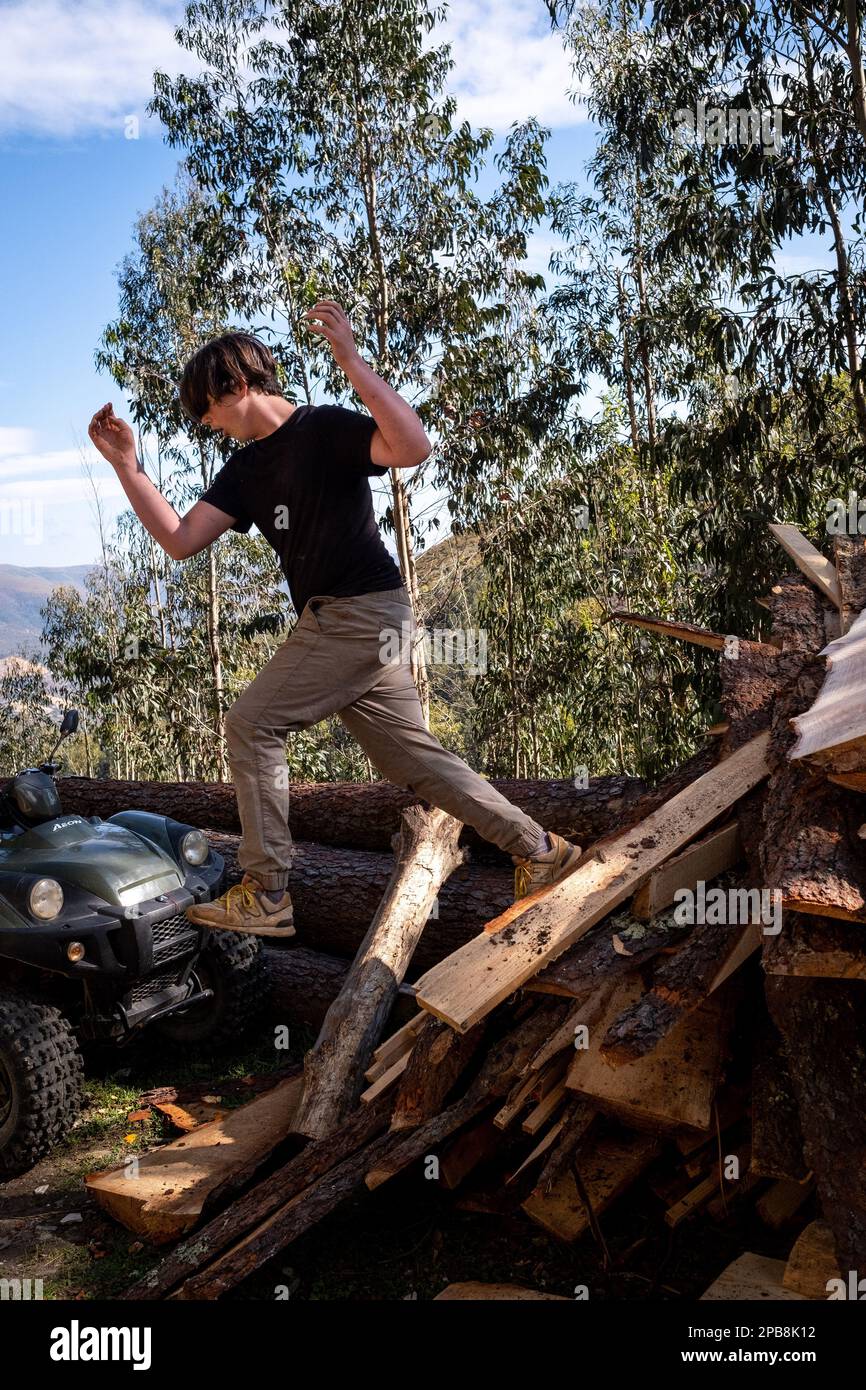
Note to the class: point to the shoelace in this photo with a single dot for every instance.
(522, 878)
(241, 890)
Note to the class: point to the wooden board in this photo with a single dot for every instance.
(751, 1277)
(665, 627)
(704, 860)
(812, 1262)
(469, 983)
(608, 1170)
(672, 1087)
(166, 1197)
(810, 561)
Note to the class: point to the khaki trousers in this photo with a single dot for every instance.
(350, 657)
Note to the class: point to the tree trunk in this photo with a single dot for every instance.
(356, 814)
(425, 853)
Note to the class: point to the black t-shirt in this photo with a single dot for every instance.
(305, 487)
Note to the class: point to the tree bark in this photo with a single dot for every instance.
(425, 854)
(358, 815)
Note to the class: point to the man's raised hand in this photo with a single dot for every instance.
(113, 438)
(329, 319)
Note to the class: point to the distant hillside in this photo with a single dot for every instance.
(23, 591)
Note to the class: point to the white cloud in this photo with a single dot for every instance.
(68, 68)
(508, 64)
(24, 461)
(15, 441)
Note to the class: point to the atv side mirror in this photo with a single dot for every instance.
(70, 723)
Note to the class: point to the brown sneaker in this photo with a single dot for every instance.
(244, 908)
(531, 874)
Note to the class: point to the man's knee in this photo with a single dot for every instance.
(238, 729)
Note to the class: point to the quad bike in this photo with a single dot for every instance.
(95, 946)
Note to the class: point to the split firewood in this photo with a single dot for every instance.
(257, 1205)
(680, 985)
(782, 1203)
(665, 627)
(675, 1085)
(425, 853)
(613, 948)
(704, 860)
(607, 1171)
(290, 1220)
(576, 1123)
(439, 1056)
(751, 1278)
(505, 1063)
(812, 1262)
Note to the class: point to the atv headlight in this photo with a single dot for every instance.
(45, 899)
(194, 847)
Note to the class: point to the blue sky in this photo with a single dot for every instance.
(73, 72)
(72, 75)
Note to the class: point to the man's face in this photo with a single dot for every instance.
(228, 415)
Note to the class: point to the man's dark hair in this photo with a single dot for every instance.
(221, 366)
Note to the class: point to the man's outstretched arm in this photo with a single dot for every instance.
(179, 537)
(399, 440)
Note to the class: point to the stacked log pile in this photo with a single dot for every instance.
(560, 1047)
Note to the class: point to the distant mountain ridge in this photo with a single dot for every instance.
(23, 591)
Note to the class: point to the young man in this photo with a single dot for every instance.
(302, 478)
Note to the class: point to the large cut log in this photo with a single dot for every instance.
(360, 815)
(810, 851)
(335, 894)
(823, 1024)
(257, 1205)
(777, 1140)
(797, 611)
(849, 553)
(426, 851)
(817, 946)
(466, 986)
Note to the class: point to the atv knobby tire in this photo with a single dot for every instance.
(233, 966)
(41, 1081)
